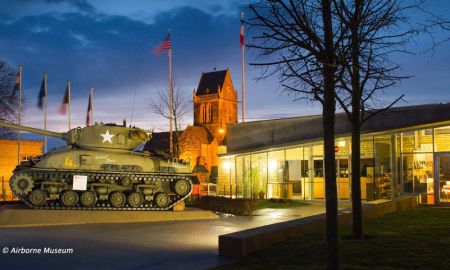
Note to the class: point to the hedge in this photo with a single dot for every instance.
(240, 207)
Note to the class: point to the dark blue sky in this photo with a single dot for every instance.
(108, 44)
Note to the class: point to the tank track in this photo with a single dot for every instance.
(110, 178)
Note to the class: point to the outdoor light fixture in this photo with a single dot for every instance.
(226, 165)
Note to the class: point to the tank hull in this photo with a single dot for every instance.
(100, 170)
(56, 183)
(101, 180)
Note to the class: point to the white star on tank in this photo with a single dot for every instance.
(107, 137)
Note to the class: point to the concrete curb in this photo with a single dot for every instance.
(239, 244)
(24, 217)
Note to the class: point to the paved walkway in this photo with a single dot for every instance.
(156, 245)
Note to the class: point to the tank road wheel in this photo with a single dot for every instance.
(135, 199)
(70, 198)
(161, 200)
(117, 199)
(126, 181)
(21, 184)
(37, 197)
(182, 187)
(88, 198)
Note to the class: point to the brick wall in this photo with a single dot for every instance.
(8, 160)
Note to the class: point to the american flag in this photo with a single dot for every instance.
(165, 45)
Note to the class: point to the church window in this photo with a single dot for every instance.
(210, 114)
(203, 114)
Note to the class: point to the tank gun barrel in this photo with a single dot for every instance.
(33, 130)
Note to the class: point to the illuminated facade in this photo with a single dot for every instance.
(8, 160)
(405, 150)
(215, 106)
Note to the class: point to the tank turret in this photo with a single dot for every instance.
(99, 170)
(95, 136)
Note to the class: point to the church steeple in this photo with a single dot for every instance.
(215, 102)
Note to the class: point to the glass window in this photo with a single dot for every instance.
(244, 180)
(342, 147)
(408, 141)
(417, 174)
(383, 170)
(294, 169)
(442, 139)
(318, 150)
(226, 181)
(307, 177)
(259, 175)
(277, 174)
(318, 180)
(418, 141)
(444, 178)
(367, 164)
(294, 154)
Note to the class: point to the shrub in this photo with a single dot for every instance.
(273, 200)
(240, 207)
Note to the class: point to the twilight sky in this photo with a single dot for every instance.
(107, 45)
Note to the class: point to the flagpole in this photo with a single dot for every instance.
(170, 97)
(20, 114)
(243, 70)
(45, 111)
(91, 120)
(68, 103)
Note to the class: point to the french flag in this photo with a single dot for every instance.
(65, 102)
(241, 38)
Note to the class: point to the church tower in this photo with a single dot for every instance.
(215, 103)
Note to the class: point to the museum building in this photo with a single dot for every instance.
(404, 150)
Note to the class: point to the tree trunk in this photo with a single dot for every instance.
(176, 149)
(329, 107)
(357, 229)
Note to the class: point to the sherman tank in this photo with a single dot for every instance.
(100, 170)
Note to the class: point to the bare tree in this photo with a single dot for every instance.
(8, 100)
(375, 31)
(296, 41)
(160, 105)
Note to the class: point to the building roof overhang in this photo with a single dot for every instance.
(279, 133)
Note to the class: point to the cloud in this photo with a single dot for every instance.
(16, 10)
(113, 54)
(81, 5)
(108, 46)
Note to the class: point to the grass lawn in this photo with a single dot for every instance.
(274, 203)
(414, 239)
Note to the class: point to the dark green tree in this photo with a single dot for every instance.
(9, 108)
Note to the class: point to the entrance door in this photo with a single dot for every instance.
(342, 172)
(442, 178)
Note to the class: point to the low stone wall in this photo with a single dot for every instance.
(13, 216)
(239, 244)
